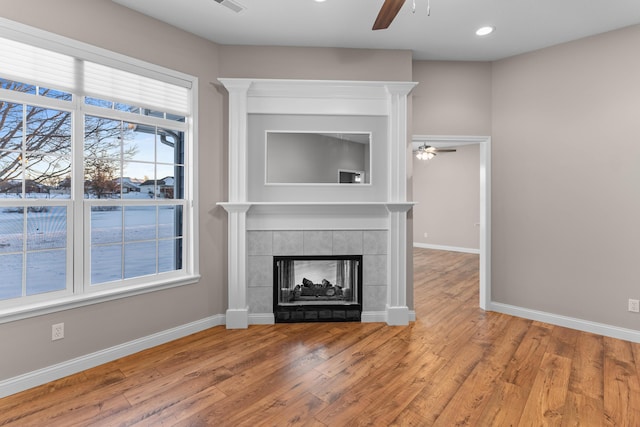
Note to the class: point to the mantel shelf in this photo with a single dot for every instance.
(274, 207)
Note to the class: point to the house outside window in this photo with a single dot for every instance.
(96, 175)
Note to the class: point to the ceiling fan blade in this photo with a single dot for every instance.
(387, 13)
(445, 150)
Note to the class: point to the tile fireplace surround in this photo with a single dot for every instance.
(267, 220)
(262, 246)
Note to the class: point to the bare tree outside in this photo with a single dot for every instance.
(104, 153)
(47, 142)
(102, 174)
(43, 164)
(120, 160)
(124, 161)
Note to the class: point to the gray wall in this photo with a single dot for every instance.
(566, 174)
(447, 192)
(565, 170)
(26, 344)
(275, 62)
(453, 98)
(564, 125)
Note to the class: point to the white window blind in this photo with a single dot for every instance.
(110, 83)
(29, 64)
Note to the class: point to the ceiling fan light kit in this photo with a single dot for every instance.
(425, 156)
(427, 152)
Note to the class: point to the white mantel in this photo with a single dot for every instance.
(388, 100)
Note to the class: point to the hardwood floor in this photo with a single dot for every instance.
(456, 365)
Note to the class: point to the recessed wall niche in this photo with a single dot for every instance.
(261, 190)
(319, 158)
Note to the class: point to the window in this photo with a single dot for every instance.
(96, 188)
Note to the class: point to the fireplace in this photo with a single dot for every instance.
(317, 288)
(267, 219)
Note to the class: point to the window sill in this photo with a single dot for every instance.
(66, 303)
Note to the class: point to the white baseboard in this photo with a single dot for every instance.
(381, 316)
(42, 376)
(373, 316)
(446, 248)
(568, 322)
(54, 372)
(262, 319)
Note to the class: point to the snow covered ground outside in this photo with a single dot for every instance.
(123, 245)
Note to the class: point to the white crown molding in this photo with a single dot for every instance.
(337, 97)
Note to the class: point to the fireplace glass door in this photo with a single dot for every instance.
(317, 288)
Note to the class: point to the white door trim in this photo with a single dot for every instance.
(442, 141)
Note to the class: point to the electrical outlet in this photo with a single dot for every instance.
(426, 235)
(57, 331)
(634, 305)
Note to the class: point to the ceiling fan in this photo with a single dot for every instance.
(390, 9)
(387, 13)
(427, 152)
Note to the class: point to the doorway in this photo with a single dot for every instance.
(484, 143)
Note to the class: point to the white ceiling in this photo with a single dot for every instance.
(447, 34)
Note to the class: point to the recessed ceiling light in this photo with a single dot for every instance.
(320, 1)
(484, 31)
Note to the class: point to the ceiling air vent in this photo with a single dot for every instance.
(233, 5)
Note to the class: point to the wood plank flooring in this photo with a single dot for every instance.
(456, 365)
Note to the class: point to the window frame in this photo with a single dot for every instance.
(79, 291)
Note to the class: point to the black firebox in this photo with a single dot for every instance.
(317, 288)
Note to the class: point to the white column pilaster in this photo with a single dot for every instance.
(397, 309)
(237, 315)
